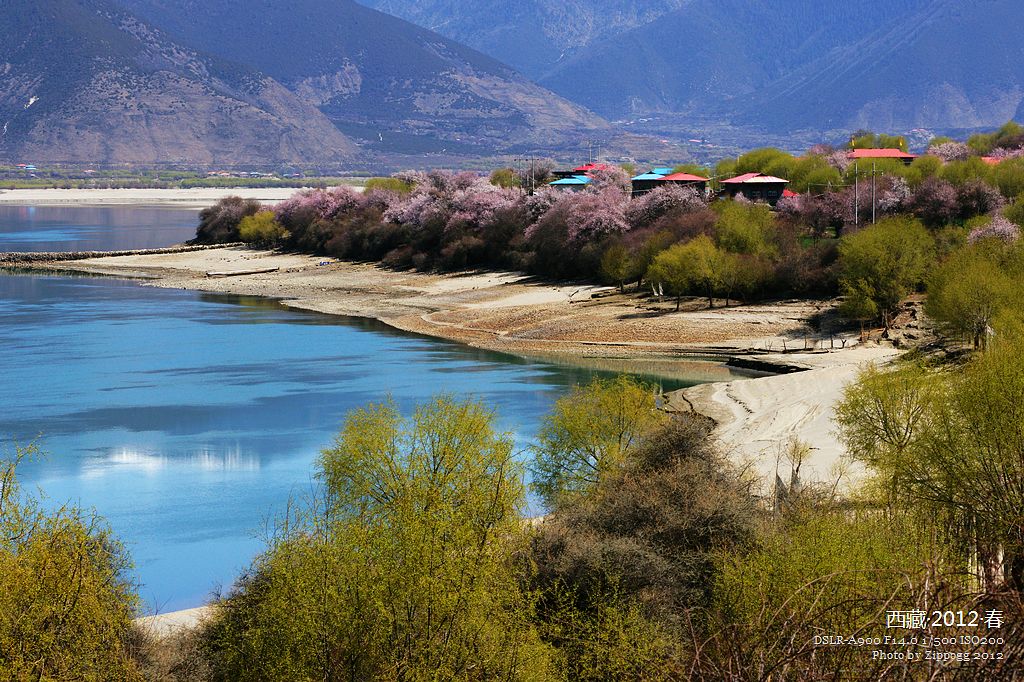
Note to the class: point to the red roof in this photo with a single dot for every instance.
(879, 154)
(753, 178)
(790, 193)
(684, 177)
(587, 167)
(991, 160)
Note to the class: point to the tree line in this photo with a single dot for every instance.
(672, 241)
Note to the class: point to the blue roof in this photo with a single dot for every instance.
(574, 180)
(663, 171)
(650, 176)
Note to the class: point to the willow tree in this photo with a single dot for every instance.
(696, 266)
(403, 571)
(66, 605)
(971, 289)
(887, 261)
(590, 433)
(952, 444)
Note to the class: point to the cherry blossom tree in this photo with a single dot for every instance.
(661, 201)
(935, 202)
(950, 151)
(998, 228)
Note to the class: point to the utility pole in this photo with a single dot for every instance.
(872, 192)
(856, 194)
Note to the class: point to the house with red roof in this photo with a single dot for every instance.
(875, 154)
(659, 177)
(755, 187)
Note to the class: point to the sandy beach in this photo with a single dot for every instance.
(166, 624)
(178, 198)
(581, 324)
(758, 419)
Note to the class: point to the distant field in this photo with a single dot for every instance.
(11, 178)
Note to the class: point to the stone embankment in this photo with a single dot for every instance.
(19, 258)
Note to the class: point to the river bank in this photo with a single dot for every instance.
(581, 324)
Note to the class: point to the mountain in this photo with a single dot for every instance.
(84, 82)
(530, 35)
(780, 67)
(389, 83)
(812, 65)
(946, 65)
(712, 51)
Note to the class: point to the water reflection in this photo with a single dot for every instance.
(93, 228)
(154, 462)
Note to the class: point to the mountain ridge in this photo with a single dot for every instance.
(376, 75)
(77, 70)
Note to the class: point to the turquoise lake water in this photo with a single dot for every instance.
(188, 420)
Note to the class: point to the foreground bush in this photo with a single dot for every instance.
(402, 571)
(589, 435)
(620, 568)
(66, 607)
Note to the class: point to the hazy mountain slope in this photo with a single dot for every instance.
(374, 74)
(530, 35)
(950, 64)
(711, 51)
(83, 82)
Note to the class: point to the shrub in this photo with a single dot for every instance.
(590, 433)
(66, 605)
(262, 229)
(402, 570)
(219, 223)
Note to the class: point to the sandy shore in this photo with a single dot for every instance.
(166, 624)
(581, 324)
(179, 198)
(507, 312)
(758, 419)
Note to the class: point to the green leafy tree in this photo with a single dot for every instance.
(766, 160)
(674, 271)
(697, 265)
(396, 185)
(66, 605)
(970, 290)
(1008, 176)
(744, 228)
(885, 262)
(922, 168)
(504, 177)
(859, 303)
(261, 229)
(881, 416)
(869, 140)
(617, 266)
(952, 445)
(403, 571)
(590, 433)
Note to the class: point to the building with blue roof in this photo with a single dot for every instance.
(644, 183)
(576, 182)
